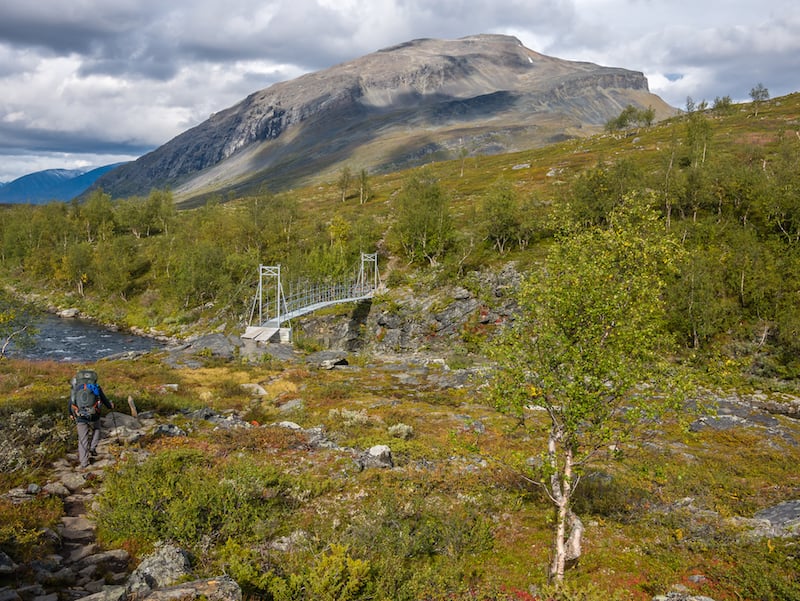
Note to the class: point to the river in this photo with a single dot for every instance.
(79, 341)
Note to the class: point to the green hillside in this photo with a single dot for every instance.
(724, 180)
(687, 231)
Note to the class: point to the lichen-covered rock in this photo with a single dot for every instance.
(164, 567)
(379, 456)
(222, 588)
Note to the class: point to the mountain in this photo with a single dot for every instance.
(52, 184)
(401, 106)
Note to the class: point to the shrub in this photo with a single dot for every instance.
(22, 534)
(180, 495)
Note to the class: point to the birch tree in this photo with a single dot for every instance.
(591, 332)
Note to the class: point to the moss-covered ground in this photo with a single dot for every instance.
(455, 518)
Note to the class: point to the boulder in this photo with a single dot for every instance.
(222, 588)
(9, 594)
(111, 593)
(784, 517)
(164, 567)
(113, 560)
(327, 359)
(217, 345)
(56, 489)
(7, 565)
(379, 456)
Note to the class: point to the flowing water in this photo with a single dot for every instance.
(79, 341)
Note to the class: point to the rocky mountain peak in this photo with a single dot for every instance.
(425, 96)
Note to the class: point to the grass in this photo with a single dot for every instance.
(451, 514)
(456, 518)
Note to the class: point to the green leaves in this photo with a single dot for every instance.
(423, 229)
(180, 495)
(593, 324)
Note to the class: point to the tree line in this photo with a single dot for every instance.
(734, 208)
(109, 252)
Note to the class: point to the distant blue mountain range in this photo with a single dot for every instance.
(53, 184)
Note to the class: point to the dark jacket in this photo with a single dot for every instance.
(96, 417)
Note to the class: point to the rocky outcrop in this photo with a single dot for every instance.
(438, 322)
(391, 108)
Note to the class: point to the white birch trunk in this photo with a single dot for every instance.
(561, 492)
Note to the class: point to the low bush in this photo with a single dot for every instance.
(181, 495)
(22, 533)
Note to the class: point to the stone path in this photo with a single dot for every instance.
(78, 568)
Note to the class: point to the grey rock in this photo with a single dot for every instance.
(56, 489)
(73, 481)
(681, 596)
(116, 419)
(168, 430)
(327, 359)
(165, 566)
(317, 438)
(292, 405)
(222, 588)
(9, 594)
(281, 352)
(253, 389)
(79, 552)
(31, 592)
(218, 345)
(379, 456)
(224, 421)
(7, 565)
(95, 586)
(785, 516)
(111, 593)
(64, 576)
(18, 495)
(88, 573)
(332, 363)
(115, 559)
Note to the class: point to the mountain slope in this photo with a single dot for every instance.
(394, 108)
(51, 184)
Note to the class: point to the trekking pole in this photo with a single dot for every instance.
(116, 429)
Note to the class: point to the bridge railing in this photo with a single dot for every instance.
(305, 296)
(310, 294)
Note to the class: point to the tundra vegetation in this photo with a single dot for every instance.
(674, 249)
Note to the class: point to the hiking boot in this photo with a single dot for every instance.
(93, 452)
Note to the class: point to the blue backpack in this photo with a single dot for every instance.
(85, 394)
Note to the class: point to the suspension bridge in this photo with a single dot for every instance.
(272, 308)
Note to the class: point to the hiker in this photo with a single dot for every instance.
(84, 409)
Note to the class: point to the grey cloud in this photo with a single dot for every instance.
(67, 27)
(166, 65)
(20, 140)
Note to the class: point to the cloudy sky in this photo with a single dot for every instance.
(91, 82)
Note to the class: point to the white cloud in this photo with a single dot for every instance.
(92, 77)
